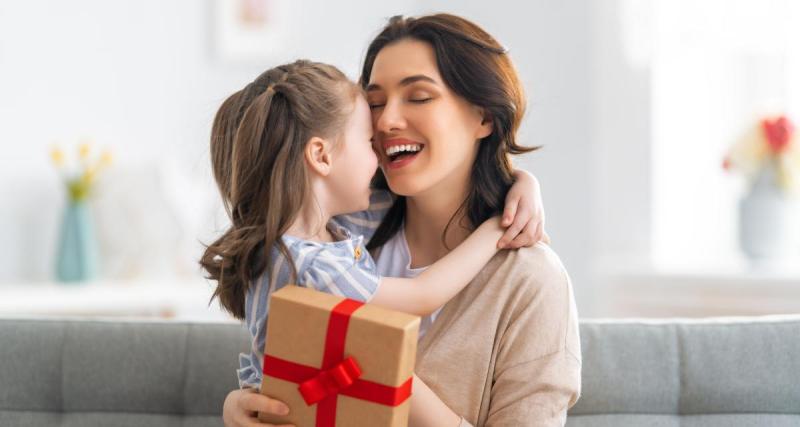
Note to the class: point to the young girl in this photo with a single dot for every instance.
(290, 153)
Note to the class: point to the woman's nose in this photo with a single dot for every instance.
(390, 118)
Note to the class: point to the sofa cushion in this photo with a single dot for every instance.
(125, 371)
(683, 373)
(705, 372)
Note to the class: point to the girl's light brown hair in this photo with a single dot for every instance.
(257, 143)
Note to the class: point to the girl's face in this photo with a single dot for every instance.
(426, 136)
(354, 162)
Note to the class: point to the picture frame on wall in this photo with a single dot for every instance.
(247, 30)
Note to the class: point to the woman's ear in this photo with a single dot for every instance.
(487, 124)
(318, 155)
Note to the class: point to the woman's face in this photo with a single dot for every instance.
(426, 136)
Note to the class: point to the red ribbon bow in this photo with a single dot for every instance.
(330, 382)
(336, 376)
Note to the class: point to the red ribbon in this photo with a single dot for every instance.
(337, 376)
(330, 382)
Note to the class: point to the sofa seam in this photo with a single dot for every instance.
(185, 373)
(62, 352)
(679, 349)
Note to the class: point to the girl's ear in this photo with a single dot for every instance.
(318, 155)
(487, 124)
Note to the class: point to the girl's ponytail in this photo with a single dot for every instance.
(257, 143)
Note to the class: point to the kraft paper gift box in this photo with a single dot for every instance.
(336, 361)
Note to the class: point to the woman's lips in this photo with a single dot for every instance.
(401, 161)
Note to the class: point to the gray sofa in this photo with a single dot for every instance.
(733, 372)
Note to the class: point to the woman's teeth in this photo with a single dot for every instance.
(395, 149)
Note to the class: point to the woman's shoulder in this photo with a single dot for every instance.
(532, 272)
(535, 290)
(540, 259)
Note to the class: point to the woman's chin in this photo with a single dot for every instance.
(404, 186)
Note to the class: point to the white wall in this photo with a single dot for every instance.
(143, 78)
(550, 43)
(621, 120)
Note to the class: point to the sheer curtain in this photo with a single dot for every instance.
(716, 66)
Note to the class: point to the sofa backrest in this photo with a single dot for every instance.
(94, 373)
(725, 372)
(707, 372)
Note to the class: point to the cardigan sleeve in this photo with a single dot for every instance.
(537, 375)
(536, 393)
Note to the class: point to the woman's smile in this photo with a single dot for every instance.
(399, 152)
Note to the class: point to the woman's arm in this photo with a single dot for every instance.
(538, 363)
(428, 410)
(444, 279)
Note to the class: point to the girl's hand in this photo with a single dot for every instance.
(523, 213)
(241, 409)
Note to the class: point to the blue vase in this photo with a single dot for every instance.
(77, 252)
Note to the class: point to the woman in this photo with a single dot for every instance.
(445, 84)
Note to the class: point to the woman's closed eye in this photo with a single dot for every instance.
(376, 105)
(420, 96)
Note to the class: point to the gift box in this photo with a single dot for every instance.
(337, 361)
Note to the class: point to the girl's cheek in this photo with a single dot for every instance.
(374, 165)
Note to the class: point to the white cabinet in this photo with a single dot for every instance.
(177, 299)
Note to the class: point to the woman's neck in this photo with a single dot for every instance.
(426, 219)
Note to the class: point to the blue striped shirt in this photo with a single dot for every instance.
(343, 268)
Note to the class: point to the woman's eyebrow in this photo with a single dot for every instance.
(405, 82)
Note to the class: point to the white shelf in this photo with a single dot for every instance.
(699, 293)
(183, 299)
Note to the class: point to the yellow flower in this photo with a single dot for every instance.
(789, 168)
(89, 175)
(749, 154)
(84, 148)
(106, 158)
(57, 156)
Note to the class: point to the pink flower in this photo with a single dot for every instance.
(778, 133)
(726, 163)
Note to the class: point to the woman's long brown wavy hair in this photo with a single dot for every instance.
(257, 142)
(477, 68)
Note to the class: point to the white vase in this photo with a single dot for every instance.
(769, 221)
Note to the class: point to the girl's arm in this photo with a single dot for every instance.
(444, 279)
(523, 213)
